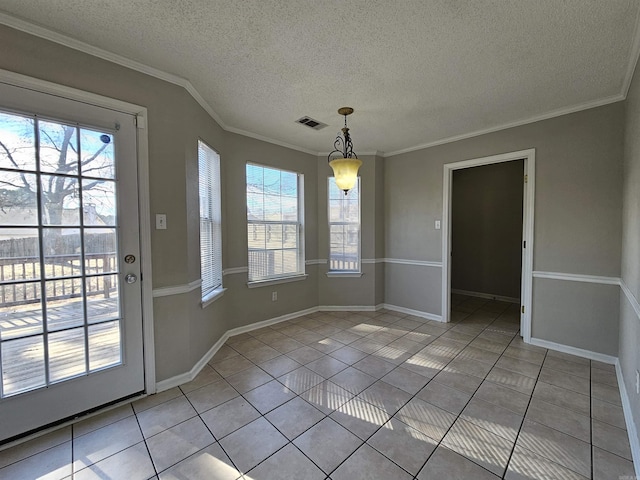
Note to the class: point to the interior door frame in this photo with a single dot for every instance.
(529, 157)
(142, 141)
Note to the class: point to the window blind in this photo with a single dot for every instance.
(344, 228)
(210, 219)
(274, 223)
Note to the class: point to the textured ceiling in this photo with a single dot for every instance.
(416, 72)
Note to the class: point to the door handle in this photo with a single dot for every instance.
(130, 278)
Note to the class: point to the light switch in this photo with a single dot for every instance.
(437, 224)
(161, 221)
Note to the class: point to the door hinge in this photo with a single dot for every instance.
(524, 244)
(526, 178)
(140, 121)
(522, 308)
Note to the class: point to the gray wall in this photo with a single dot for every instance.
(577, 228)
(368, 289)
(629, 354)
(184, 331)
(486, 229)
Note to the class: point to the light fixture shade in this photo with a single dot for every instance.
(346, 172)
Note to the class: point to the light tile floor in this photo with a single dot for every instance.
(345, 395)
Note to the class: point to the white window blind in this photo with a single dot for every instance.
(344, 228)
(274, 223)
(210, 219)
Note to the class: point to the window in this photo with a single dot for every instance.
(344, 228)
(210, 220)
(274, 223)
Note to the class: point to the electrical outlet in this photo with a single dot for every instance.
(637, 382)
(274, 296)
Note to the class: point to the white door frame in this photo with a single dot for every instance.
(529, 157)
(143, 196)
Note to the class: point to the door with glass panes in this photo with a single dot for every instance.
(70, 294)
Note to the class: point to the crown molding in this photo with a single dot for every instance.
(67, 41)
(525, 121)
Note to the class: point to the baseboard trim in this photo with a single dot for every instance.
(271, 321)
(349, 308)
(578, 352)
(634, 441)
(489, 296)
(195, 370)
(191, 374)
(415, 313)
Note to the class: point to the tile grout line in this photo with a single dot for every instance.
(144, 439)
(449, 429)
(414, 395)
(216, 440)
(470, 397)
(524, 415)
(329, 417)
(325, 416)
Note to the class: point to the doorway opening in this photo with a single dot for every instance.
(485, 254)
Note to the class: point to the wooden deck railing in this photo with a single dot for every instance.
(65, 269)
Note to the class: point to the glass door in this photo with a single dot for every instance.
(70, 300)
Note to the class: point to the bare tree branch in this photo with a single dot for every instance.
(15, 164)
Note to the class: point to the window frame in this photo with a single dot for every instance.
(210, 292)
(300, 274)
(344, 272)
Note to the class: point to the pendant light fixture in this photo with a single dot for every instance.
(345, 167)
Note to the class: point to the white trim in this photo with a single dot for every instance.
(632, 299)
(186, 377)
(69, 42)
(349, 308)
(632, 431)
(575, 277)
(146, 272)
(177, 289)
(271, 321)
(195, 370)
(70, 93)
(276, 281)
(212, 296)
(317, 261)
(415, 313)
(529, 157)
(144, 209)
(234, 270)
(402, 261)
(500, 298)
(578, 352)
(339, 274)
(525, 121)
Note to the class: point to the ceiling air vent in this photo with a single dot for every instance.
(311, 123)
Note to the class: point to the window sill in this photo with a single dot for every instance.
(211, 297)
(344, 274)
(275, 281)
